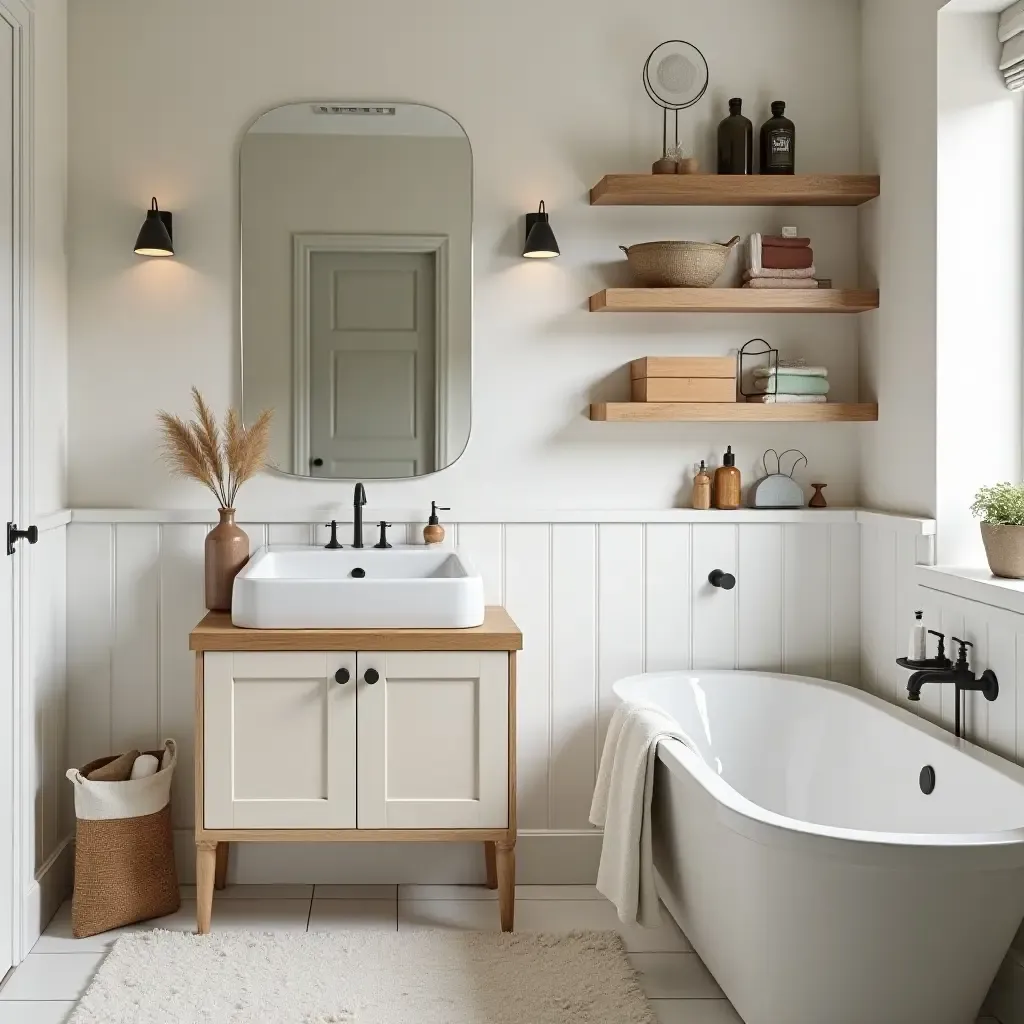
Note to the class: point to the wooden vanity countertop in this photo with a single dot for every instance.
(498, 633)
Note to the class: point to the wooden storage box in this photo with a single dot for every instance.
(683, 379)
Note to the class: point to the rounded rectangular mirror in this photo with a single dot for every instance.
(356, 298)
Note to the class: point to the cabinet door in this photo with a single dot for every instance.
(433, 740)
(279, 741)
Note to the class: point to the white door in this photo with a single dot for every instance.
(279, 745)
(7, 434)
(433, 739)
(371, 364)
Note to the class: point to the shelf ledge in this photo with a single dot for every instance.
(732, 300)
(735, 190)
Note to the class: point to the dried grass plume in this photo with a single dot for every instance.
(220, 460)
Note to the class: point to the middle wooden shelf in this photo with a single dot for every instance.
(732, 300)
(733, 412)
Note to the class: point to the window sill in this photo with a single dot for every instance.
(973, 584)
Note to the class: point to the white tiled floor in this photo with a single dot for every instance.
(43, 989)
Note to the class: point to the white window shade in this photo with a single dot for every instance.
(1011, 35)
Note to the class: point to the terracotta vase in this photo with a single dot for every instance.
(227, 550)
(818, 499)
(1004, 546)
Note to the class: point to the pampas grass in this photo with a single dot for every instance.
(220, 460)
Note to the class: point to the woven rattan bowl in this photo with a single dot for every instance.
(678, 264)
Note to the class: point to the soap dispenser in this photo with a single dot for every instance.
(727, 483)
(702, 488)
(433, 532)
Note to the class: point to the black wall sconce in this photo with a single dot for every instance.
(540, 239)
(157, 235)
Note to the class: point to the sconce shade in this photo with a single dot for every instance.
(540, 239)
(156, 236)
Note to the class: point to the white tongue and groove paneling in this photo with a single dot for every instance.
(596, 601)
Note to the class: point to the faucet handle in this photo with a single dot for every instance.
(333, 543)
(942, 642)
(961, 658)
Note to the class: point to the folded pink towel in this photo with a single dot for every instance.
(790, 283)
(767, 272)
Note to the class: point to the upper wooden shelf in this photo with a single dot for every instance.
(732, 300)
(734, 190)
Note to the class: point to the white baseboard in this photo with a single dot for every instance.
(50, 888)
(565, 858)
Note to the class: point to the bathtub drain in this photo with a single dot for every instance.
(927, 780)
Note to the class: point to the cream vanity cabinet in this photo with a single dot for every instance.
(355, 736)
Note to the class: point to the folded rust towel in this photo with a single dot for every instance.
(776, 257)
(792, 283)
(785, 243)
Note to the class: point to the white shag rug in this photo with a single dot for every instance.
(430, 977)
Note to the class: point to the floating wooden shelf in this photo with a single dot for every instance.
(734, 190)
(732, 300)
(731, 412)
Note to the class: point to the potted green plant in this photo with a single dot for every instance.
(1001, 511)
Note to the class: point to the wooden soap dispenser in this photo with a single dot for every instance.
(433, 532)
(727, 483)
(702, 489)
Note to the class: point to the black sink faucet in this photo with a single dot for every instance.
(960, 675)
(358, 501)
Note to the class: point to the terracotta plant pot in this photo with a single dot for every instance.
(227, 550)
(1004, 546)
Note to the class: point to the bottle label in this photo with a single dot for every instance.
(780, 148)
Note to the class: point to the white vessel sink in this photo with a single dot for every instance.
(404, 587)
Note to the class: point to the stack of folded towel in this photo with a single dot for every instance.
(777, 262)
(791, 384)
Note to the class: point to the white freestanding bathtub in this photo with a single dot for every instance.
(798, 852)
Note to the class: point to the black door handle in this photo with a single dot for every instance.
(722, 580)
(342, 675)
(316, 462)
(14, 535)
(371, 675)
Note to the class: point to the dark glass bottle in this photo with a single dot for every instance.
(778, 142)
(736, 142)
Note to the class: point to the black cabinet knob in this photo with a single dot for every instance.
(371, 675)
(342, 675)
(722, 580)
(317, 462)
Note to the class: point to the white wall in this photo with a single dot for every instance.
(899, 55)
(597, 600)
(551, 98)
(944, 352)
(980, 328)
(347, 184)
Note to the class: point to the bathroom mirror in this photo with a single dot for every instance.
(356, 226)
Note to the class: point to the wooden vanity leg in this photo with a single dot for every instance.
(220, 878)
(506, 870)
(206, 871)
(491, 861)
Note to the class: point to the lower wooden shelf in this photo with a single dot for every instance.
(732, 412)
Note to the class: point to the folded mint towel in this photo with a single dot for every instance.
(792, 384)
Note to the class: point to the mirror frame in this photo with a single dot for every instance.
(277, 470)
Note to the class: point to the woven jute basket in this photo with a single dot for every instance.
(678, 264)
(124, 849)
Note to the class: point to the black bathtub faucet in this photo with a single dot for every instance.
(940, 670)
